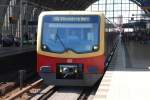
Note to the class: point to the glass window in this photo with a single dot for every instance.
(101, 7)
(117, 6)
(138, 8)
(110, 14)
(131, 14)
(102, 1)
(111, 19)
(110, 1)
(116, 20)
(133, 7)
(125, 7)
(125, 13)
(134, 13)
(89, 8)
(117, 13)
(138, 12)
(121, 7)
(109, 7)
(117, 1)
(95, 2)
(94, 7)
(125, 20)
(125, 1)
(76, 33)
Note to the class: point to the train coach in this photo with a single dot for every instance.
(74, 47)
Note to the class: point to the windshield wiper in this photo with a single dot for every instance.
(61, 42)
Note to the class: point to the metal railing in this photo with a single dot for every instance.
(18, 22)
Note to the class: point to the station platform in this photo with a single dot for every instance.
(13, 59)
(128, 76)
(8, 51)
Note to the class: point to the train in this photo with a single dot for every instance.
(74, 48)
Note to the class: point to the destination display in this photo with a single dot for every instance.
(71, 19)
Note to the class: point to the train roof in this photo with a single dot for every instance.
(70, 13)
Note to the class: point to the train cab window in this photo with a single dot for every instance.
(79, 34)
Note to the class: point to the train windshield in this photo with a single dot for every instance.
(79, 34)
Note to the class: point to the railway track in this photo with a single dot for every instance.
(45, 94)
(89, 92)
(67, 93)
(6, 87)
(58, 93)
(85, 94)
(35, 91)
(24, 90)
(64, 93)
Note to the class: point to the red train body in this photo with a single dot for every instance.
(71, 66)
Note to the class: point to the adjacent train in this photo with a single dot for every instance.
(74, 47)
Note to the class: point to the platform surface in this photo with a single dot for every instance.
(128, 77)
(7, 51)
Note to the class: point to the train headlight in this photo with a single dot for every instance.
(95, 48)
(60, 71)
(75, 71)
(65, 70)
(44, 47)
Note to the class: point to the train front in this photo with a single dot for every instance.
(70, 49)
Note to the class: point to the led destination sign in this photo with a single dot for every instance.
(71, 19)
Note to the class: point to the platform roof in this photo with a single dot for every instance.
(66, 4)
(144, 4)
(78, 4)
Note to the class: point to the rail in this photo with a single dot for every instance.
(25, 89)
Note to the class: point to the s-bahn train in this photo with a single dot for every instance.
(74, 47)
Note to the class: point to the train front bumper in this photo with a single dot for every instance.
(88, 80)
